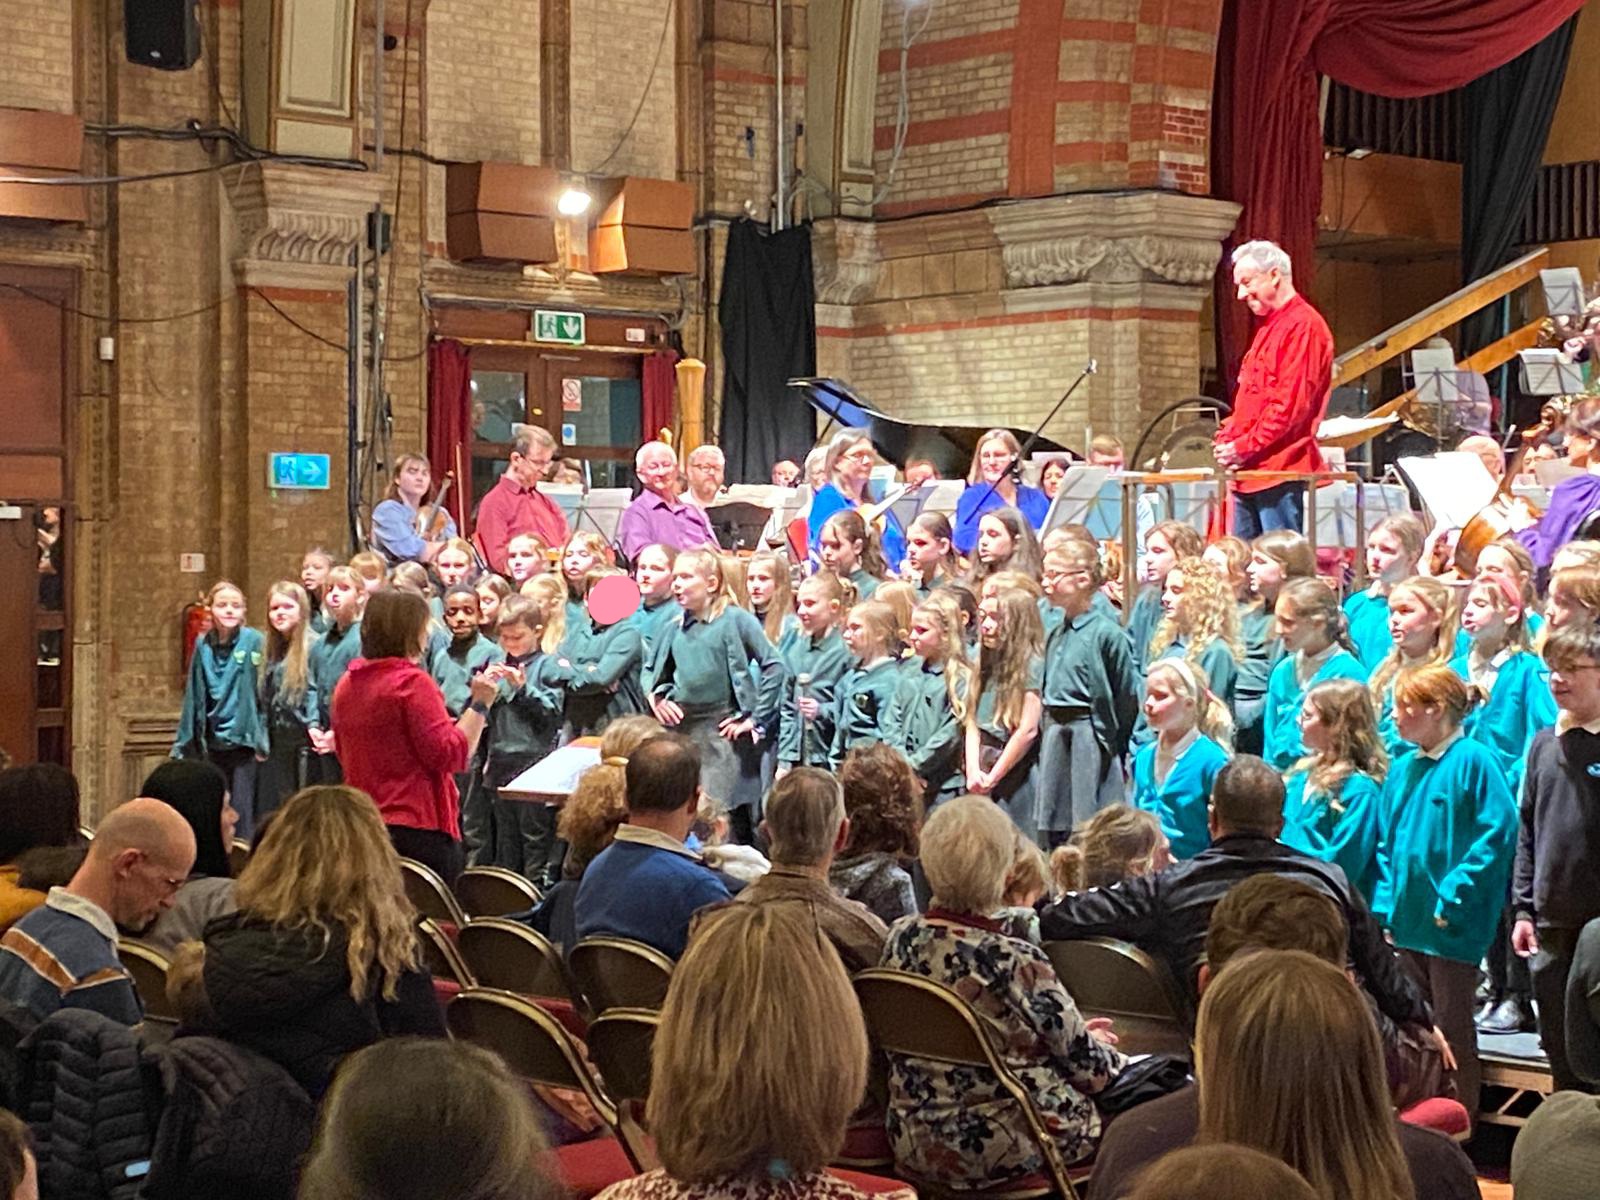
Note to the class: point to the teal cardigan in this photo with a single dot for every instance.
(1518, 707)
(1341, 829)
(1181, 801)
(1280, 731)
(1444, 861)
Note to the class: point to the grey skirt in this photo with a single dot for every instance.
(1077, 778)
(729, 771)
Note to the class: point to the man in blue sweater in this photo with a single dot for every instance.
(647, 884)
(64, 953)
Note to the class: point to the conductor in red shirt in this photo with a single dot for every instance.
(1284, 381)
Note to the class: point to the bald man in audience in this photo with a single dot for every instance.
(64, 954)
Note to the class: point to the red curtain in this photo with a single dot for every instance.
(450, 420)
(659, 388)
(1266, 142)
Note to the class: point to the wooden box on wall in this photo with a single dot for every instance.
(501, 212)
(643, 229)
(41, 145)
(298, 68)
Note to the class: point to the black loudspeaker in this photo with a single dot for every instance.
(162, 33)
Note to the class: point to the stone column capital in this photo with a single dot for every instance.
(845, 261)
(298, 226)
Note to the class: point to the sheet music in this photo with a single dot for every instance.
(556, 774)
(1076, 497)
(1454, 486)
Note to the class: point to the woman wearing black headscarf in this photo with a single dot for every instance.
(199, 791)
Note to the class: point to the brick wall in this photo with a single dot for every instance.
(36, 55)
(483, 79)
(614, 44)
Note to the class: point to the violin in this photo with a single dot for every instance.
(433, 519)
(1506, 513)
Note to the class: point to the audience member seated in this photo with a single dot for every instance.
(759, 1061)
(64, 953)
(1557, 1153)
(647, 884)
(19, 1172)
(587, 823)
(199, 792)
(38, 809)
(421, 1119)
(882, 801)
(735, 863)
(950, 1125)
(1221, 1172)
(1167, 913)
(804, 827)
(1287, 1061)
(1118, 841)
(322, 956)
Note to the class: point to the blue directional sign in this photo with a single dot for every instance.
(288, 470)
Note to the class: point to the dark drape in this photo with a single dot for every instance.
(450, 418)
(1505, 125)
(769, 335)
(1267, 145)
(658, 390)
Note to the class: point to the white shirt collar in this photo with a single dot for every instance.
(640, 835)
(1182, 748)
(86, 910)
(1438, 751)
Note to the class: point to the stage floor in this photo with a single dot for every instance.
(1516, 1076)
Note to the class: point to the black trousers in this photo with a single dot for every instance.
(1448, 986)
(429, 847)
(1551, 966)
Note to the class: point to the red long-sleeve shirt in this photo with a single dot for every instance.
(1283, 389)
(397, 743)
(508, 509)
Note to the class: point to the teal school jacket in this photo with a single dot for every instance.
(1280, 732)
(1182, 800)
(221, 700)
(1342, 828)
(1518, 707)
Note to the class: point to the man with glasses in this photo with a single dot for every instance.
(515, 505)
(64, 953)
(657, 514)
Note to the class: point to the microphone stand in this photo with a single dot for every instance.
(1014, 467)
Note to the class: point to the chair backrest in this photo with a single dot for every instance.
(533, 1044)
(910, 1015)
(1112, 978)
(494, 892)
(428, 894)
(508, 955)
(440, 957)
(238, 856)
(620, 1041)
(148, 966)
(620, 973)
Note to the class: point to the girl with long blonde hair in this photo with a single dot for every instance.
(769, 584)
(1422, 631)
(1285, 1041)
(1512, 682)
(1331, 809)
(322, 901)
(1172, 775)
(1574, 596)
(1200, 622)
(1117, 842)
(288, 698)
(713, 675)
(930, 701)
(872, 635)
(815, 658)
(1316, 648)
(1164, 545)
(1002, 741)
(549, 594)
(1394, 550)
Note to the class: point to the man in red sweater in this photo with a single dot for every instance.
(1284, 381)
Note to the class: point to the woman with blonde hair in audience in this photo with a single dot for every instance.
(1117, 842)
(321, 957)
(1221, 1172)
(415, 1119)
(759, 1060)
(587, 823)
(956, 1127)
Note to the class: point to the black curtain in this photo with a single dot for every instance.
(769, 335)
(1505, 122)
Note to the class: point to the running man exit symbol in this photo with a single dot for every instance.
(561, 328)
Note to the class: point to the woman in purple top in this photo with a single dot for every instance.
(1573, 499)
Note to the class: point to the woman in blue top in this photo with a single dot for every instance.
(990, 485)
(848, 468)
(394, 520)
(1311, 628)
(1331, 806)
(222, 719)
(1449, 835)
(1172, 775)
(1513, 684)
(1394, 548)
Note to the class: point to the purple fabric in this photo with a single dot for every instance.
(1571, 501)
(651, 519)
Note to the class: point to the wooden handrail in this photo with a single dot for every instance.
(1395, 341)
(1484, 361)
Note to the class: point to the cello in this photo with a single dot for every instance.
(1506, 513)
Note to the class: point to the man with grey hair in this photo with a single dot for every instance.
(805, 826)
(514, 505)
(657, 514)
(707, 468)
(1283, 386)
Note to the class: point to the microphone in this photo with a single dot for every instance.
(802, 691)
(1092, 367)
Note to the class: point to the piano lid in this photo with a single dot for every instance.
(948, 447)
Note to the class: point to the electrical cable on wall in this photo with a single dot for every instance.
(902, 116)
(650, 80)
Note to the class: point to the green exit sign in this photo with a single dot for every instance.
(562, 328)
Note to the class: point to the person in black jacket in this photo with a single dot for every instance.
(322, 957)
(1167, 913)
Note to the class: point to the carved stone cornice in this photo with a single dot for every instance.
(300, 222)
(845, 263)
(448, 282)
(1157, 237)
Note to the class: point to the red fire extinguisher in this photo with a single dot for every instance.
(196, 624)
